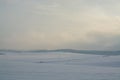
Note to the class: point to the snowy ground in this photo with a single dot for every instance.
(58, 66)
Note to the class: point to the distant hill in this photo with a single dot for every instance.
(95, 52)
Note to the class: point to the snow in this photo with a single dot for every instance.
(58, 66)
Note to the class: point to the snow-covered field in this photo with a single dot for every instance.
(59, 66)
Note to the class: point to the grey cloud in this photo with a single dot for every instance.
(97, 41)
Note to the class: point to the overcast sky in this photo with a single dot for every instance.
(59, 24)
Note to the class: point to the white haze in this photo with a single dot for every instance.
(54, 24)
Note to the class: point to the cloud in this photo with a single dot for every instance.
(9, 1)
(78, 24)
